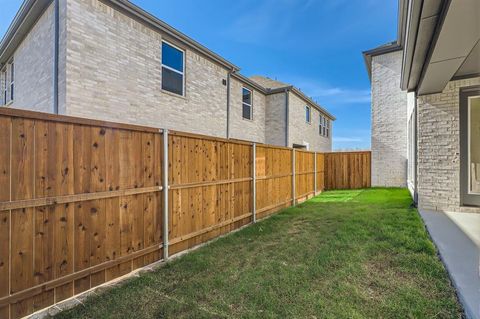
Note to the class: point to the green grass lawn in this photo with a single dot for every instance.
(343, 254)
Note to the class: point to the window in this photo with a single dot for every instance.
(308, 114)
(474, 144)
(173, 69)
(321, 126)
(12, 80)
(4, 86)
(246, 103)
(327, 134)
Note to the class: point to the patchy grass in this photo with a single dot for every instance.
(343, 254)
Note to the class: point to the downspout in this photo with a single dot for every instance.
(229, 74)
(56, 55)
(287, 95)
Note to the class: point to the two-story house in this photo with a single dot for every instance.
(111, 60)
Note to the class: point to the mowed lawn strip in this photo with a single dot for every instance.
(343, 254)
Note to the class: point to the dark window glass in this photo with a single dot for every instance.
(246, 103)
(247, 96)
(172, 57)
(12, 79)
(172, 81)
(247, 112)
(307, 114)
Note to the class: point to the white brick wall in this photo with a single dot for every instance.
(114, 73)
(300, 131)
(240, 128)
(34, 66)
(275, 119)
(439, 149)
(389, 122)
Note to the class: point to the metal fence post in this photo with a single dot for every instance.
(294, 193)
(315, 176)
(254, 190)
(165, 195)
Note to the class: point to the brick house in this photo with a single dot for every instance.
(426, 127)
(111, 60)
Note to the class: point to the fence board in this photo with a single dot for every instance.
(81, 201)
(347, 170)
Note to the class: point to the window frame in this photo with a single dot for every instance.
(327, 130)
(4, 84)
(249, 105)
(184, 52)
(11, 84)
(309, 108)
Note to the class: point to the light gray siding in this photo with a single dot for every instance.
(114, 73)
(33, 60)
(301, 132)
(389, 122)
(244, 129)
(275, 119)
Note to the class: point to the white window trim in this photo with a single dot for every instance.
(320, 126)
(310, 114)
(11, 84)
(250, 105)
(4, 80)
(174, 70)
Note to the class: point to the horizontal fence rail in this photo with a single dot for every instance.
(83, 202)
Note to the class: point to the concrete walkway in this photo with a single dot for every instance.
(456, 237)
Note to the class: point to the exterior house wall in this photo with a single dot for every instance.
(439, 149)
(114, 73)
(244, 129)
(275, 119)
(301, 132)
(389, 122)
(33, 63)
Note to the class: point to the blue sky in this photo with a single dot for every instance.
(314, 44)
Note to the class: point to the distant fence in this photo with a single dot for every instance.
(82, 202)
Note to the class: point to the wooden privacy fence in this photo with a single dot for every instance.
(83, 202)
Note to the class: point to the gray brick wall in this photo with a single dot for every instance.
(439, 149)
(300, 131)
(389, 122)
(240, 128)
(33, 60)
(114, 73)
(275, 119)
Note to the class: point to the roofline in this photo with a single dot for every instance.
(12, 38)
(250, 82)
(282, 89)
(312, 102)
(26, 16)
(291, 88)
(384, 49)
(171, 31)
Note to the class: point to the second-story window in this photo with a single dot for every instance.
(12, 80)
(327, 133)
(321, 125)
(246, 103)
(4, 86)
(173, 69)
(308, 114)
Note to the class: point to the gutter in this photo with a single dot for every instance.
(153, 21)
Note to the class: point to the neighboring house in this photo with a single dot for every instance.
(111, 60)
(426, 127)
(425, 100)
